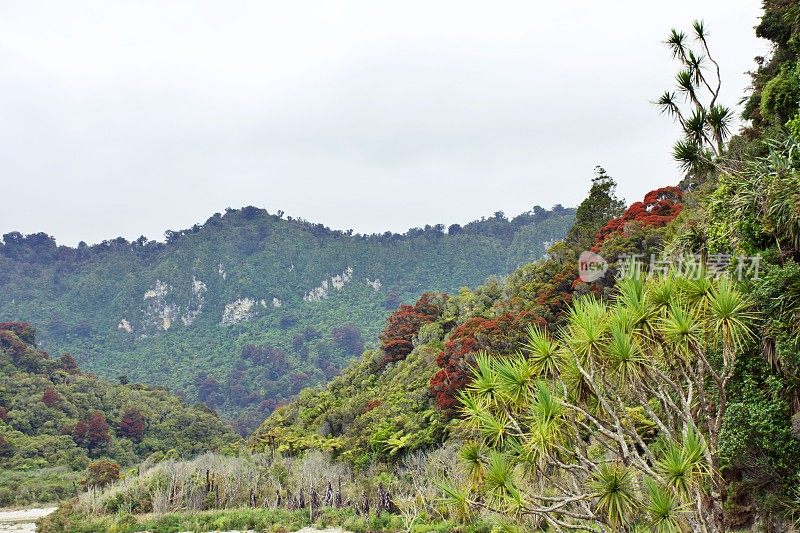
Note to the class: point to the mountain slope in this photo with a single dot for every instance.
(54, 420)
(738, 219)
(391, 402)
(247, 309)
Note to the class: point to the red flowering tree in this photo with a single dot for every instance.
(208, 389)
(50, 397)
(11, 341)
(298, 380)
(348, 337)
(19, 339)
(499, 336)
(79, 433)
(659, 208)
(93, 433)
(68, 364)
(266, 356)
(131, 424)
(397, 338)
(23, 330)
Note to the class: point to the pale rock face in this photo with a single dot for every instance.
(159, 290)
(340, 280)
(168, 316)
(125, 326)
(198, 287)
(276, 302)
(196, 302)
(337, 282)
(241, 309)
(316, 294)
(158, 315)
(376, 285)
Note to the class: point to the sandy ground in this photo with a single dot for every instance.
(304, 530)
(312, 530)
(22, 521)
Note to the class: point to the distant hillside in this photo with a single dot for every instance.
(402, 395)
(54, 420)
(247, 309)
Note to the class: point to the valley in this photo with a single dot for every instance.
(628, 365)
(242, 312)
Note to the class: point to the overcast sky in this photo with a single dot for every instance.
(130, 118)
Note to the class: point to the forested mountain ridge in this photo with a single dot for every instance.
(402, 396)
(659, 396)
(248, 308)
(55, 420)
(665, 399)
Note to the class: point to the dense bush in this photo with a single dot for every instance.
(55, 419)
(293, 277)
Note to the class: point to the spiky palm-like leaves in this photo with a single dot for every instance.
(545, 422)
(615, 489)
(623, 355)
(569, 408)
(515, 377)
(542, 353)
(586, 328)
(683, 463)
(501, 481)
(691, 157)
(706, 124)
(457, 499)
(682, 329)
(768, 193)
(731, 315)
(664, 509)
(718, 121)
(485, 382)
(472, 457)
(676, 467)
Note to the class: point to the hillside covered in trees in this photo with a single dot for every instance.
(402, 396)
(641, 377)
(244, 311)
(662, 395)
(56, 422)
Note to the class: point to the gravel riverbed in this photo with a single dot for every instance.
(22, 521)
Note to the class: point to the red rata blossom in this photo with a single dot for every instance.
(68, 364)
(499, 336)
(659, 208)
(10, 340)
(131, 424)
(50, 397)
(79, 432)
(23, 330)
(372, 404)
(92, 433)
(404, 324)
